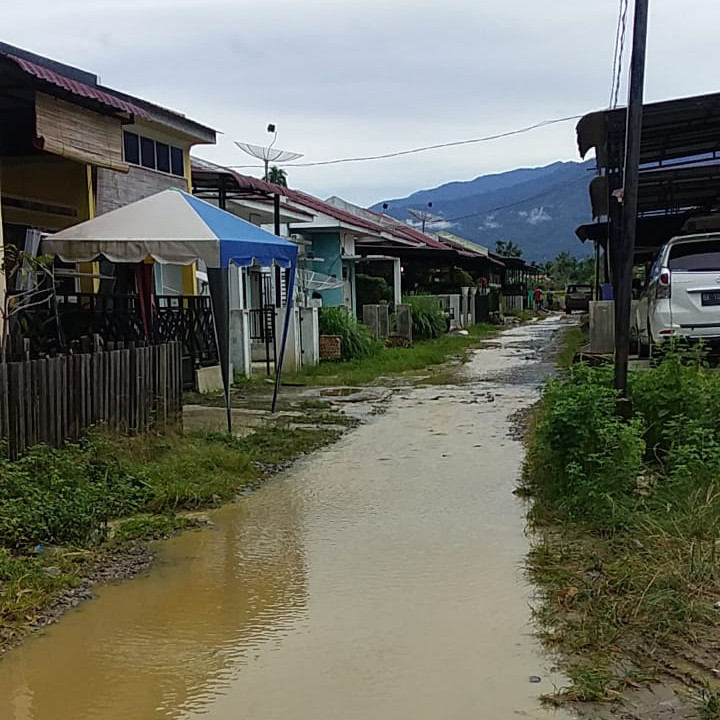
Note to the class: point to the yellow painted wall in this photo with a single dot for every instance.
(89, 284)
(190, 285)
(51, 179)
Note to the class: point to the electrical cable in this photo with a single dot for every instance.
(426, 148)
(619, 53)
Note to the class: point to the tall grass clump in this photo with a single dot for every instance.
(428, 318)
(356, 340)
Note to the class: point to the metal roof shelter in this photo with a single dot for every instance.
(679, 169)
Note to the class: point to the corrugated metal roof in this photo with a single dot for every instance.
(321, 206)
(77, 88)
(244, 182)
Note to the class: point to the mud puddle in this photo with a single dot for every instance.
(380, 578)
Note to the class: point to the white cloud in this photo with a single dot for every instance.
(536, 216)
(490, 223)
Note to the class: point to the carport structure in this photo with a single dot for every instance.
(679, 187)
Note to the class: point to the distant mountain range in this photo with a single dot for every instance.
(536, 208)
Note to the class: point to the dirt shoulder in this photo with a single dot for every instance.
(623, 516)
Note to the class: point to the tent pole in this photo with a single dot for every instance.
(286, 327)
(218, 282)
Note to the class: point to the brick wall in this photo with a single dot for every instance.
(115, 189)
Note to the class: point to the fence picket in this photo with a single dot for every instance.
(56, 399)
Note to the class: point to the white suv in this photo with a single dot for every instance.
(682, 293)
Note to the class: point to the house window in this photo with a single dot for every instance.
(178, 164)
(154, 155)
(132, 148)
(162, 152)
(147, 153)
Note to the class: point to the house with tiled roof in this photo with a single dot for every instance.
(72, 148)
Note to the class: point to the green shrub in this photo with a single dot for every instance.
(428, 318)
(356, 341)
(583, 459)
(678, 392)
(372, 290)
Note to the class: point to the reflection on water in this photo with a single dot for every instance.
(161, 646)
(378, 579)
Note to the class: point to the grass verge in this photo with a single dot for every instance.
(396, 361)
(61, 509)
(574, 339)
(627, 520)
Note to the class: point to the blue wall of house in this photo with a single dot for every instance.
(327, 246)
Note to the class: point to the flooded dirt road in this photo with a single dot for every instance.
(378, 579)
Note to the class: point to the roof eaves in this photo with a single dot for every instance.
(77, 88)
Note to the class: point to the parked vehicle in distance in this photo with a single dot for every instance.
(578, 297)
(681, 298)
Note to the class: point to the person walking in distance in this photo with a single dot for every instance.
(537, 296)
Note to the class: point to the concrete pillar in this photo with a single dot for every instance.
(376, 319)
(371, 320)
(465, 306)
(602, 326)
(455, 307)
(384, 321)
(292, 362)
(473, 305)
(404, 321)
(310, 331)
(397, 281)
(240, 342)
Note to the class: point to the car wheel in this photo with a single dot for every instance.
(643, 349)
(568, 311)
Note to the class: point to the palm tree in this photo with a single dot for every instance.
(508, 248)
(277, 176)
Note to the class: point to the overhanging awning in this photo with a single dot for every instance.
(672, 129)
(171, 227)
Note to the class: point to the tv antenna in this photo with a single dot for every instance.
(425, 216)
(268, 153)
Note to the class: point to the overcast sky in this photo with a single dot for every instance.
(343, 77)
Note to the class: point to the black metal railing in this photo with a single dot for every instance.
(63, 322)
(262, 330)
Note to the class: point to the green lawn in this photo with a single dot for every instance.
(395, 361)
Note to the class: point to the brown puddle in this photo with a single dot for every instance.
(378, 579)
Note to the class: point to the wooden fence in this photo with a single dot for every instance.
(56, 399)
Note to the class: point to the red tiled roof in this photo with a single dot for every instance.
(327, 209)
(77, 88)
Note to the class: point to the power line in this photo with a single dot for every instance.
(615, 54)
(619, 53)
(426, 148)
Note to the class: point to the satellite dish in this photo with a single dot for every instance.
(425, 217)
(268, 153)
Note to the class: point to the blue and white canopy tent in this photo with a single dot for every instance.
(175, 227)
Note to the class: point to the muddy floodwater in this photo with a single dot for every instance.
(379, 579)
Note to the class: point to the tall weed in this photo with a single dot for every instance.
(356, 340)
(428, 319)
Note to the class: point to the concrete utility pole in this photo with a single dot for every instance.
(630, 195)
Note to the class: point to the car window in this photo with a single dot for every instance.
(695, 256)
